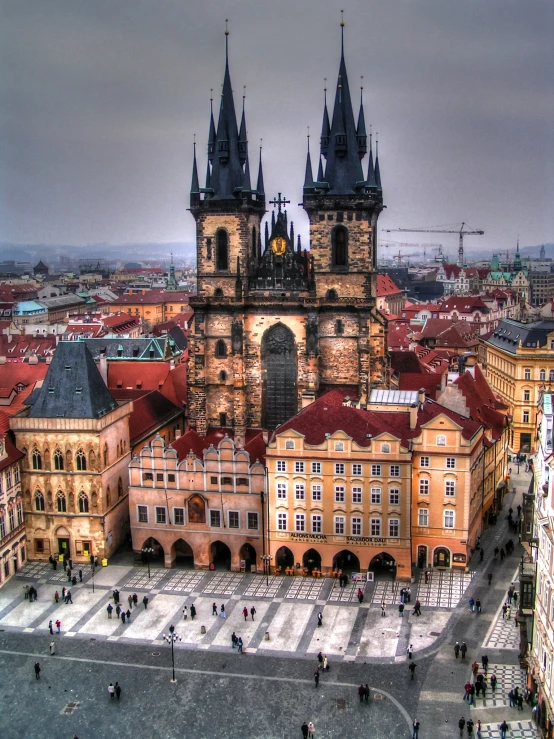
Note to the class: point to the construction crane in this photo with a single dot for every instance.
(401, 256)
(394, 244)
(461, 231)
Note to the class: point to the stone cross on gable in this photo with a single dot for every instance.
(279, 201)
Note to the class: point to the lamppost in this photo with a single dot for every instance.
(171, 638)
(266, 559)
(92, 567)
(147, 553)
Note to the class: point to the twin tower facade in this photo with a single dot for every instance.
(275, 325)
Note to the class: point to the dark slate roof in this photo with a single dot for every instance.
(151, 348)
(73, 386)
(508, 335)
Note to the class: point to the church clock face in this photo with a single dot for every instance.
(278, 246)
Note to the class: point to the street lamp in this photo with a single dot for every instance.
(92, 567)
(147, 553)
(266, 559)
(171, 638)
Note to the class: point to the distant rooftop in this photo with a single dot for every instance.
(393, 397)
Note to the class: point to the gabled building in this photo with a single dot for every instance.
(13, 538)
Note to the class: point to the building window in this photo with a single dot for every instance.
(299, 492)
(527, 373)
(299, 466)
(11, 516)
(357, 470)
(61, 503)
(8, 479)
(39, 546)
(16, 474)
(316, 468)
(425, 462)
(376, 470)
(339, 328)
(242, 482)
(36, 459)
(316, 523)
(2, 526)
(213, 480)
(551, 376)
(339, 247)
(282, 490)
(281, 522)
(339, 468)
(299, 522)
(39, 501)
(223, 420)
(375, 526)
(525, 416)
(394, 496)
(170, 477)
(422, 517)
(376, 495)
(424, 487)
(357, 494)
(80, 461)
(339, 494)
(234, 520)
(83, 502)
(220, 349)
(159, 477)
(449, 519)
(179, 516)
(252, 521)
(222, 250)
(142, 514)
(226, 480)
(161, 515)
(451, 463)
(289, 444)
(215, 519)
(58, 460)
(526, 396)
(395, 470)
(450, 488)
(441, 440)
(147, 477)
(339, 446)
(394, 527)
(356, 525)
(281, 465)
(19, 514)
(385, 448)
(339, 525)
(542, 375)
(316, 492)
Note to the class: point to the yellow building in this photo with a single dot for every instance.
(154, 306)
(519, 361)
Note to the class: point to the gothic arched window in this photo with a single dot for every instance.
(220, 349)
(58, 460)
(61, 503)
(331, 295)
(222, 250)
(218, 292)
(83, 502)
(39, 501)
(222, 376)
(105, 455)
(80, 461)
(36, 459)
(339, 247)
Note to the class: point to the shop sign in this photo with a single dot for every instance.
(309, 537)
(365, 540)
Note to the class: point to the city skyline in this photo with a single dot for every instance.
(103, 103)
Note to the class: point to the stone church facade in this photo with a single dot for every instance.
(275, 325)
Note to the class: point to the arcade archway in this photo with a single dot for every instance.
(184, 556)
(284, 558)
(312, 560)
(220, 555)
(346, 561)
(152, 552)
(383, 566)
(248, 556)
(441, 557)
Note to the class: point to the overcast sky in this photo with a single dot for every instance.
(100, 100)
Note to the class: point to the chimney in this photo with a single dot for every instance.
(104, 366)
(413, 415)
(421, 396)
(177, 433)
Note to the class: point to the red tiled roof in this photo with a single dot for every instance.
(431, 383)
(463, 304)
(175, 385)
(120, 319)
(405, 362)
(481, 401)
(21, 346)
(452, 271)
(386, 286)
(399, 336)
(151, 411)
(149, 375)
(152, 296)
(13, 452)
(192, 441)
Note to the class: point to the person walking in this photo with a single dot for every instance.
(109, 609)
(469, 726)
(239, 644)
(503, 729)
(456, 650)
(463, 649)
(493, 682)
(478, 605)
(80, 575)
(58, 626)
(192, 612)
(520, 702)
(117, 690)
(234, 640)
(68, 598)
(304, 730)
(412, 667)
(111, 690)
(467, 688)
(37, 670)
(410, 651)
(514, 599)
(316, 678)
(417, 608)
(319, 619)
(214, 609)
(401, 610)
(489, 577)
(472, 695)
(222, 611)
(51, 627)
(52, 647)
(145, 602)
(478, 732)
(461, 725)
(383, 609)
(118, 610)
(56, 597)
(130, 601)
(185, 613)
(361, 692)
(311, 730)
(485, 663)
(123, 616)
(128, 614)
(366, 693)
(135, 599)
(245, 613)
(415, 726)
(325, 664)
(471, 604)
(504, 609)
(252, 612)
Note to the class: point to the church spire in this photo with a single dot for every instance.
(260, 185)
(371, 182)
(243, 141)
(377, 169)
(194, 186)
(308, 177)
(325, 127)
(320, 175)
(246, 183)
(211, 134)
(361, 134)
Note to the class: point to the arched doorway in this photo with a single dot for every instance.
(220, 555)
(152, 552)
(63, 541)
(248, 556)
(422, 556)
(441, 557)
(184, 556)
(312, 560)
(284, 558)
(346, 561)
(280, 371)
(383, 566)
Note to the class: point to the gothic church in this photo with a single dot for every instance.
(276, 325)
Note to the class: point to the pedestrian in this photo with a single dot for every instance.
(68, 574)
(37, 670)
(111, 690)
(109, 609)
(56, 597)
(316, 678)
(503, 729)
(461, 725)
(304, 730)
(214, 609)
(311, 730)
(482, 554)
(412, 666)
(514, 598)
(493, 682)
(360, 596)
(401, 610)
(463, 649)
(410, 651)
(145, 602)
(496, 552)
(467, 688)
(504, 609)
(475, 668)
(128, 614)
(383, 609)
(239, 644)
(508, 612)
(469, 726)
(484, 689)
(51, 627)
(26, 592)
(58, 626)
(117, 689)
(485, 662)
(80, 575)
(74, 580)
(478, 732)
(456, 650)
(366, 693)
(320, 619)
(52, 647)
(192, 612)
(222, 611)
(68, 598)
(252, 612)
(478, 605)
(234, 640)
(417, 609)
(123, 616)
(185, 613)
(320, 660)
(472, 695)
(415, 726)
(70, 563)
(130, 601)
(489, 576)
(245, 613)
(135, 599)
(471, 604)
(511, 698)
(520, 702)
(408, 594)
(502, 555)
(361, 692)
(118, 610)
(326, 667)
